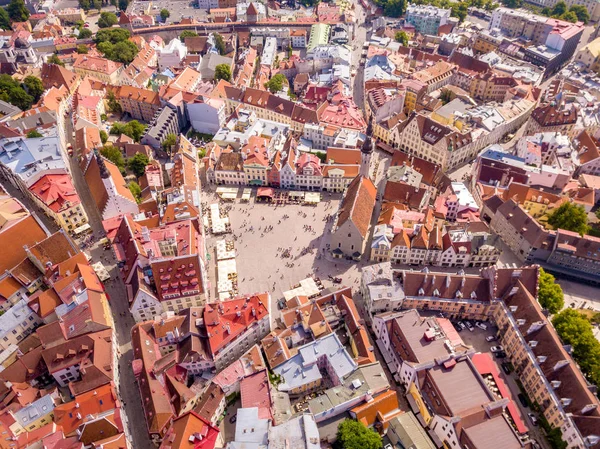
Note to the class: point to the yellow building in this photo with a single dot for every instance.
(589, 55)
(33, 416)
(99, 68)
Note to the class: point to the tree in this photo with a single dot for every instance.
(12, 92)
(107, 19)
(84, 33)
(103, 137)
(574, 329)
(550, 294)
(136, 191)
(169, 142)
(187, 33)
(54, 59)
(4, 19)
(220, 44)
(97, 4)
(223, 72)
(137, 164)
(123, 51)
(546, 11)
(459, 10)
(355, 435)
(33, 86)
(581, 12)
(82, 49)
(569, 16)
(402, 37)
(112, 35)
(17, 11)
(570, 217)
(446, 96)
(123, 4)
(114, 155)
(113, 104)
(275, 84)
(512, 3)
(133, 129)
(394, 8)
(84, 4)
(559, 9)
(33, 134)
(164, 14)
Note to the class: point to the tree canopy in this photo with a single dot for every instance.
(402, 37)
(354, 435)
(135, 190)
(112, 103)
(446, 96)
(54, 59)
(220, 44)
(4, 19)
(276, 83)
(103, 136)
(571, 217)
(84, 33)
(550, 294)
(124, 51)
(33, 134)
(169, 142)
(12, 92)
(112, 35)
(33, 86)
(164, 14)
(570, 14)
(574, 329)
(137, 164)
(107, 19)
(133, 129)
(114, 155)
(82, 49)
(17, 11)
(223, 72)
(187, 33)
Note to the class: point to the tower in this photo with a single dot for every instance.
(366, 151)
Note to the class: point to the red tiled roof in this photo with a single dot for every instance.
(256, 392)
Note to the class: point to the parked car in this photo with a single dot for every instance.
(490, 338)
(469, 326)
(522, 399)
(533, 419)
(500, 354)
(233, 419)
(498, 348)
(481, 325)
(505, 368)
(457, 327)
(461, 325)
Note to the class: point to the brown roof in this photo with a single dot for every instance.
(209, 402)
(587, 148)
(53, 250)
(230, 161)
(54, 75)
(448, 286)
(358, 204)
(343, 156)
(26, 232)
(403, 193)
(551, 115)
(525, 225)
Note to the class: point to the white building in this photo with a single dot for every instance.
(172, 55)
(207, 116)
(269, 51)
(379, 289)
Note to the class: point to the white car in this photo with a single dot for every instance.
(490, 338)
(496, 348)
(481, 325)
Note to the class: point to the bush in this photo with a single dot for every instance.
(103, 137)
(107, 19)
(187, 33)
(33, 134)
(54, 59)
(82, 49)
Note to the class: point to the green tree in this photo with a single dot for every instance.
(12, 92)
(559, 9)
(571, 217)
(575, 329)
(550, 294)
(97, 4)
(84, 33)
(402, 37)
(223, 72)
(169, 142)
(84, 4)
(275, 84)
(33, 86)
(512, 3)
(546, 11)
(107, 19)
(103, 137)
(446, 96)
(17, 11)
(123, 4)
(112, 35)
(4, 19)
(137, 164)
(569, 16)
(394, 8)
(187, 33)
(459, 10)
(136, 191)
(220, 44)
(113, 104)
(54, 59)
(124, 52)
(135, 130)
(114, 155)
(82, 49)
(355, 435)
(164, 14)
(33, 134)
(581, 12)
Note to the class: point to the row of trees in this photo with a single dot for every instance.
(86, 5)
(397, 8)
(562, 11)
(576, 330)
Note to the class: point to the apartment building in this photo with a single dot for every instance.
(165, 122)
(426, 19)
(140, 104)
(98, 68)
(379, 289)
(17, 323)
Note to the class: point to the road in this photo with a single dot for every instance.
(115, 288)
(360, 37)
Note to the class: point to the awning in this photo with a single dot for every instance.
(312, 197)
(81, 229)
(265, 192)
(297, 194)
(246, 194)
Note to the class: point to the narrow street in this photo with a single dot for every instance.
(136, 430)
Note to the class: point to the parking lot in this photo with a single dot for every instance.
(477, 339)
(178, 9)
